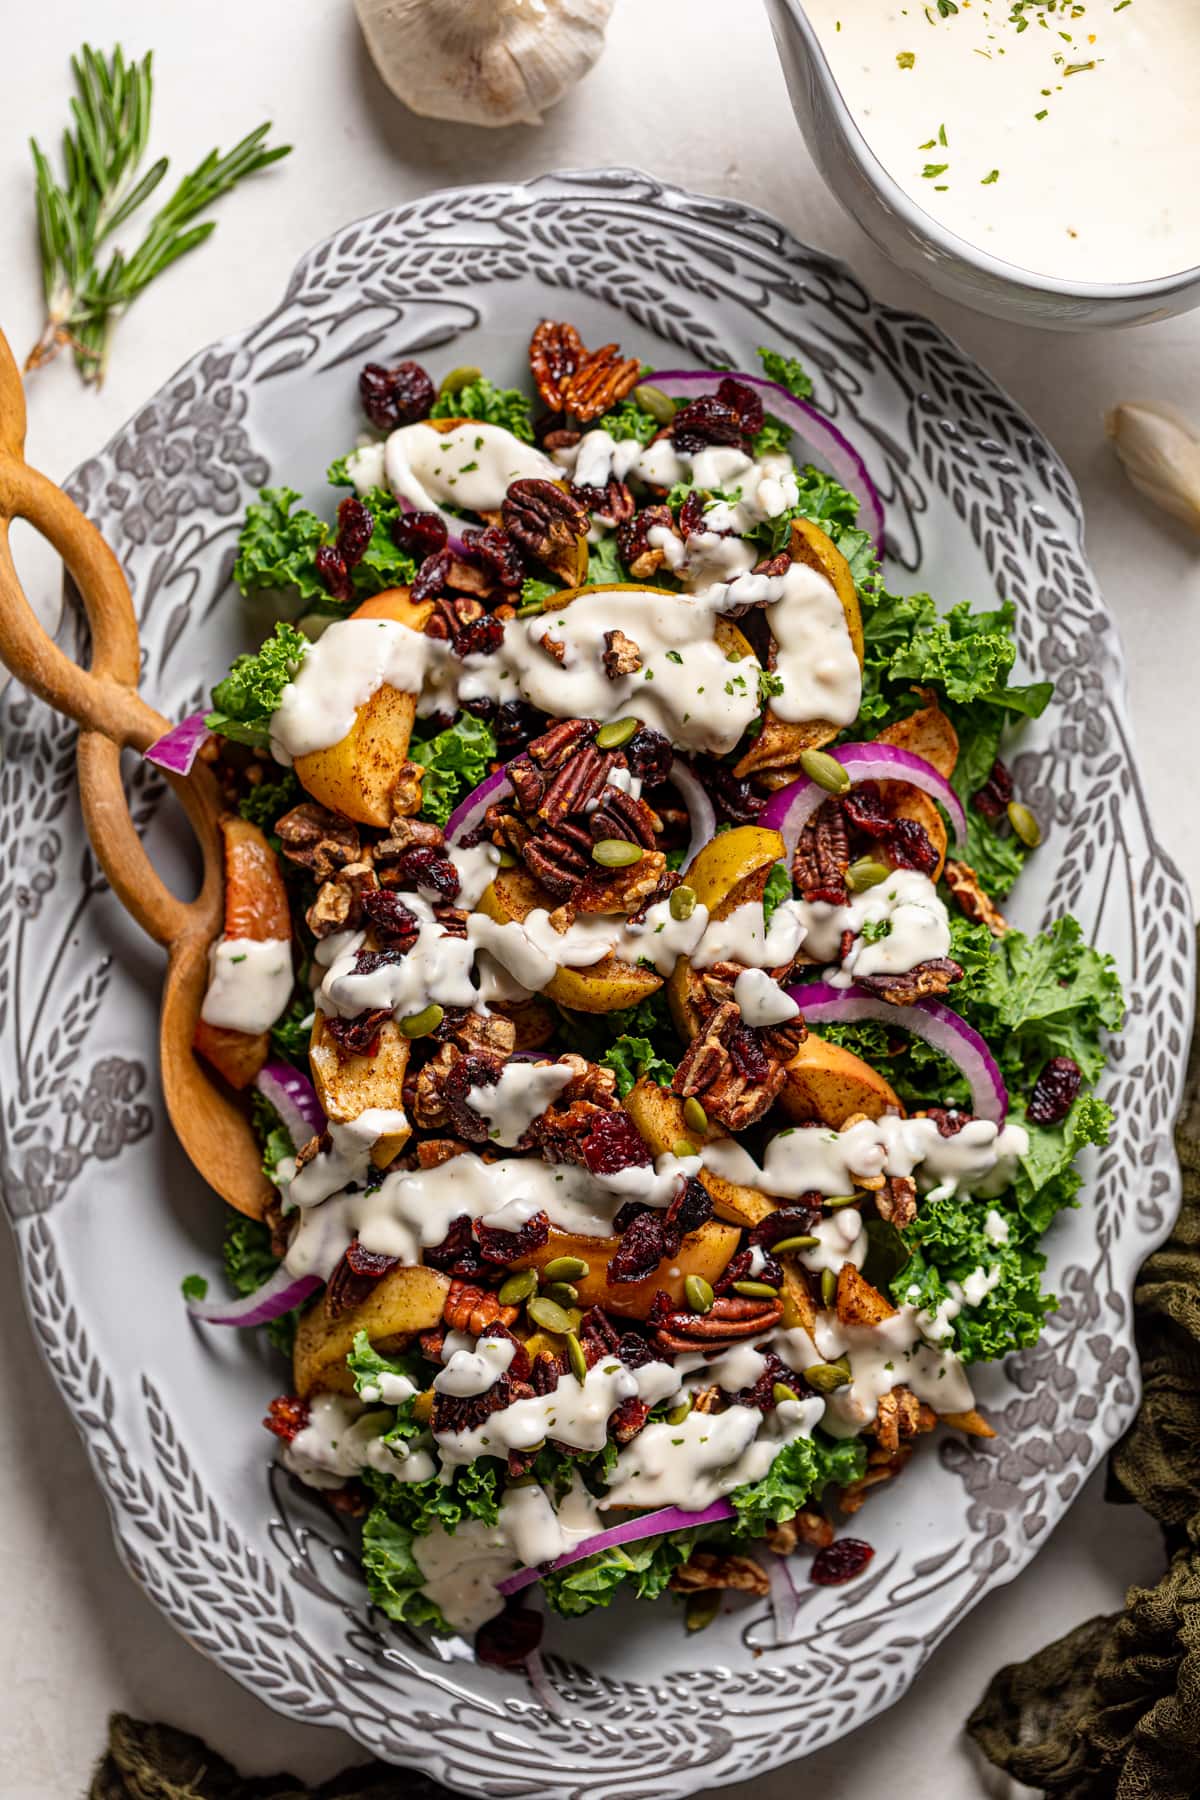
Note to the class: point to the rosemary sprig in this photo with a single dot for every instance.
(101, 189)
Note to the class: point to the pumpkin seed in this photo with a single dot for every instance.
(616, 733)
(780, 1393)
(519, 1287)
(698, 1294)
(694, 1115)
(420, 1024)
(829, 1287)
(702, 1609)
(826, 1377)
(660, 406)
(837, 1201)
(550, 1315)
(1024, 824)
(506, 859)
(529, 609)
(825, 770)
(756, 1290)
(865, 873)
(679, 1413)
(458, 379)
(512, 1481)
(616, 853)
(562, 1294)
(683, 1147)
(576, 1358)
(566, 1268)
(682, 903)
(786, 1245)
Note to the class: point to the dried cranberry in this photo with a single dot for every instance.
(504, 1643)
(498, 554)
(634, 1351)
(421, 534)
(628, 1419)
(840, 1561)
(433, 576)
(1055, 1091)
(396, 396)
(355, 525)
(993, 797)
(736, 801)
(614, 1143)
(286, 1417)
(910, 846)
(369, 962)
(358, 1036)
(704, 421)
(785, 1222)
(649, 755)
(742, 1268)
(744, 401)
(516, 723)
(865, 810)
(458, 1253)
(640, 1250)
(394, 924)
(761, 1393)
(428, 866)
(948, 1120)
(371, 1263)
(691, 1208)
(479, 638)
(354, 1278)
(691, 514)
(504, 1247)
(749, 1057)
(333, 573)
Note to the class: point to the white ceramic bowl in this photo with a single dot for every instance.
(917, 241)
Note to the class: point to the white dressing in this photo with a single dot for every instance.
(468, 467)
(707, 1455)
(762, 1001)
(342, 1438)
(895, 925)
(521, 1095)
(249, 983)
(348, 1158)
(743, 937)
(808, 1159)
(576, 1413)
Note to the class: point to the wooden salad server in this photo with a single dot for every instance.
(111, 714)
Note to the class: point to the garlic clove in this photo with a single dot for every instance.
(1161, 455)
(483, 62)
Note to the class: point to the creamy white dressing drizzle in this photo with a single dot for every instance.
(897, 925)
(521, 1095)
(762, 1001)
(743, 937)
(348, 1158)
(342, 1438)
(576, 1413)
(470, 467)
(980, 1158)
(893, 1353)
(249, 983)
(1062, 142)
(475, 1371)
(708, 1454)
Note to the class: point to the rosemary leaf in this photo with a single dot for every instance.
(101, 189)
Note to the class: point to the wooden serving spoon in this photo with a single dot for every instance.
(112, 716)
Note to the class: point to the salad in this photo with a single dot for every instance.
(661, 1116)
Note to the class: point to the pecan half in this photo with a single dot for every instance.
(811, 1528)
(896, 1200)
(319, 840)
(727, 1067)
(338, 905)
(621, 655)
(472, 1308)
(555, 350)
(936, 976)
(704, 1571)
(730, 1319)
(548, 524)
(979, 907)
(901, 1415)
(823, 856)
(572, 379)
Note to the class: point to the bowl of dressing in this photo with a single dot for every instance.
(1035, 159)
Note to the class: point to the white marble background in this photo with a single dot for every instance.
(689, 90)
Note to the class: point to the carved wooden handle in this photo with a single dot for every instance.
(103, 699)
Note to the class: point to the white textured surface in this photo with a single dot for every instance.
(688, 89)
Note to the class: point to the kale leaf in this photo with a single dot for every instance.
(788, 371)
(647, 1565)
(507, 407)
(801, 1469)
(243, 704)
(948, 1244)
(628, 420)
(777, 890)
(455, 762)
(604, 563)
(277, 546)
(393, 1574)
(250, 1261)
(633, 1057)
(263, 804)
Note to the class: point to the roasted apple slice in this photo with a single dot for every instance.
(356, 776)
(256, 908)
(828, 1084)
(350, 1084)
(602, 987)
(704, 1252)
(400, 1304)
(658, 1115)
(730, 871)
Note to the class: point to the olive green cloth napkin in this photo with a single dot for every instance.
(1112, 1710)
(1109, 1712)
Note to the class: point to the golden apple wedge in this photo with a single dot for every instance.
(401, 1303)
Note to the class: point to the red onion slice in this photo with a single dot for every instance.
(785, 1601)
(652, 1524)
(468, 815)
(294, 1099)
(178, 748)
(931, 1020)
(789, 810)
(274, 1298)
(701, 811)
(821, 441)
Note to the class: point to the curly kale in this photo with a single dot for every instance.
(244, 703)
(507, 407)
(455, 762)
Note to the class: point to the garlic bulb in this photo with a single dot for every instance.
(483, 62)
(1161, 454)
